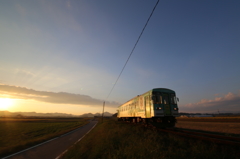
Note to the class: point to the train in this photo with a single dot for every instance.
(157, 107)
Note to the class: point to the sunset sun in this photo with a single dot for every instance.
(5, 103)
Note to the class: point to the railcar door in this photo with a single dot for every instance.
(147, 107)
(166, 104)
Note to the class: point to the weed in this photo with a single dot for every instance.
(117, 140)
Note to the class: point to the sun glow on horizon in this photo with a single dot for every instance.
(5, 103)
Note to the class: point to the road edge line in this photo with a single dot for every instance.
(40, 144)
(58, 157)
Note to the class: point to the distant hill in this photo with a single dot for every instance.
(34, 114)
(96, 114)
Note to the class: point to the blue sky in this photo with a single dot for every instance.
(80, 47)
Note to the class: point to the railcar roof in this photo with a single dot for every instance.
(163, 89)
(147, 92)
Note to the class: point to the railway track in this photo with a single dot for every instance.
(219, 139)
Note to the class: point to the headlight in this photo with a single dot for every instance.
(175, 109)
(158, 108)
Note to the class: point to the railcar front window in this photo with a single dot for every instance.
(173, 99)
(157, 98)
(165, 99)
(160, 99)
(154, 98)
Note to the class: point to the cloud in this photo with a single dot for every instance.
(68, 4)
(228, 103)
(23, 73)
(51, 97)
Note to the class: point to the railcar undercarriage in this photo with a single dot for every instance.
(167, 121)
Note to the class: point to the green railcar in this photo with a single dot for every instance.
(157, 106)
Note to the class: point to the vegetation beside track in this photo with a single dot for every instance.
(19, 134)
(229, 126)
(210, 119)
(118, 140)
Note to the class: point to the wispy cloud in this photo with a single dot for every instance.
(51, 97)
(228, 103)
(68, 4)
(24, 73)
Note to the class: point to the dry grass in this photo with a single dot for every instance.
(118, 140)
(18, 134)
(227, 125)
(228, 128)
(223, 118)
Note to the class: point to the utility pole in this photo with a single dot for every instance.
(103, 111)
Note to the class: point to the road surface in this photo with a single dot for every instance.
(55, 147)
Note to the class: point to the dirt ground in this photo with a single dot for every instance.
(222, 127)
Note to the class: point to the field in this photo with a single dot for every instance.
(226, 125)
(118, 140)
(18, 134)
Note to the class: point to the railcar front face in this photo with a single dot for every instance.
(164, 103)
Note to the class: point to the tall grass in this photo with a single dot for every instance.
(116, 140)
(19, 134)
(217, 118)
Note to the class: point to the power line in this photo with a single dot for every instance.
(133, 48)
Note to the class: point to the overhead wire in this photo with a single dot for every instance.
(133, 48)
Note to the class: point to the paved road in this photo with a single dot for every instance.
(54, 148)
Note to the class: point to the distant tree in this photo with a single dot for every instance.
(114, 115)
(19, 116)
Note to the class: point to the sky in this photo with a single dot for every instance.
(65, 56)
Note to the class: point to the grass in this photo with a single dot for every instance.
(223, 118)
(117, 140)
(226, 125)
(18, 134)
